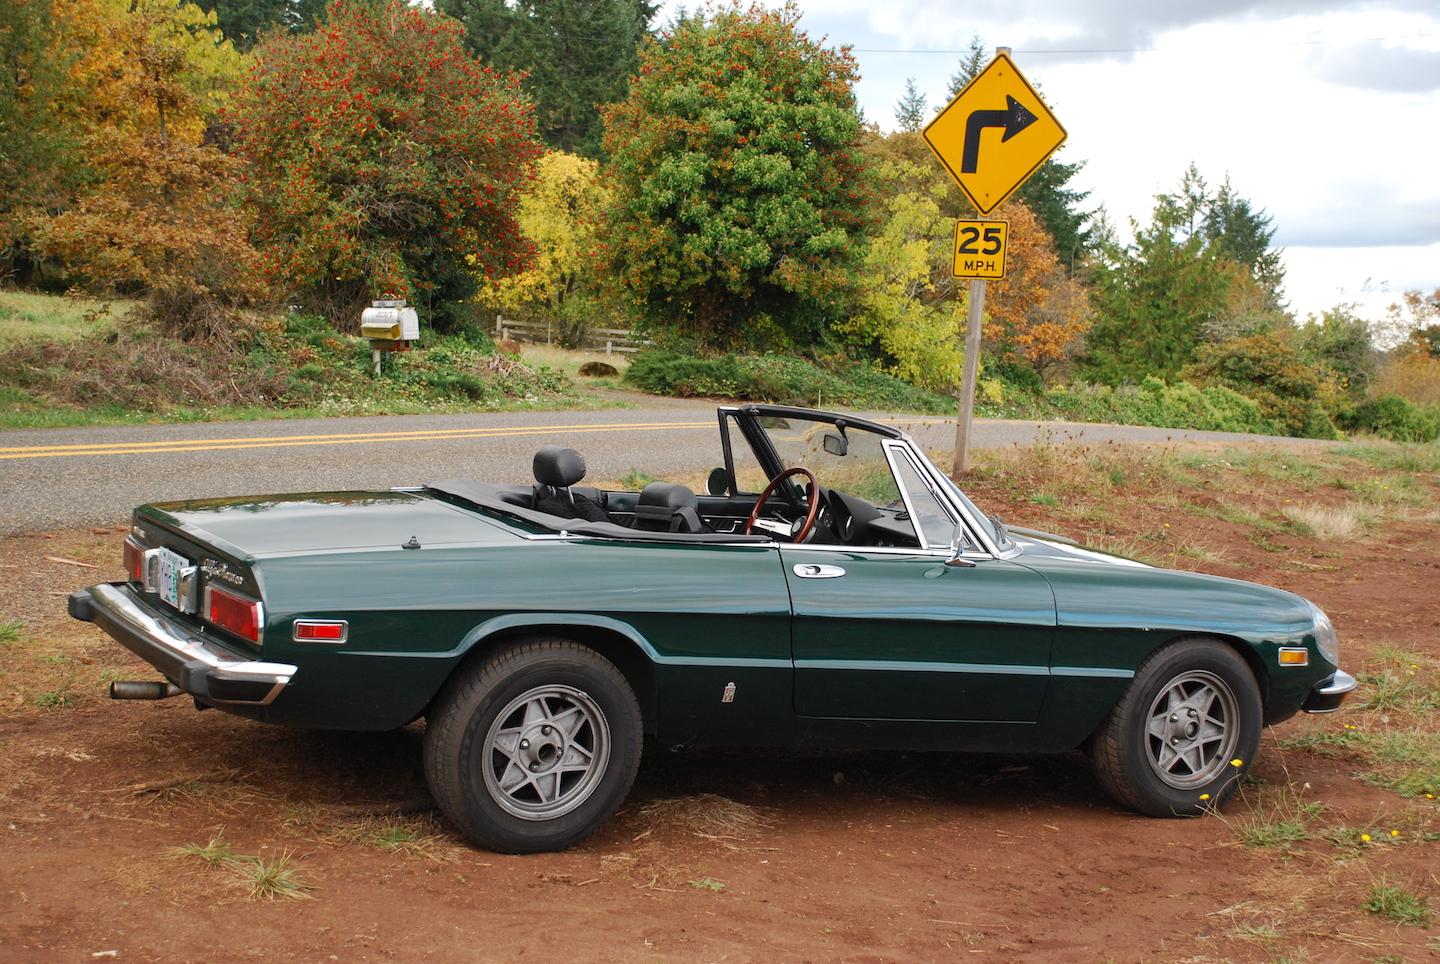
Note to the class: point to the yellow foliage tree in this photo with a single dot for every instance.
(913, 310)
(559, 216)
(157, 216)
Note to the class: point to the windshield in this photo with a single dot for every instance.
(853, 461)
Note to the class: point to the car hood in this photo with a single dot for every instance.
(271, 525)
(1038, 545)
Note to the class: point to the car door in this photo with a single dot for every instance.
(897, 634)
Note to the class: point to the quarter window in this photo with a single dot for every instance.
(930, 518)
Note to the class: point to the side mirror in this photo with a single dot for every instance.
(718, 482)
(835, 444)
(957, 546)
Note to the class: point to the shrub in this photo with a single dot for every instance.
(1153, 402)
(1394, 418)
(781, 379)
(1268, 369)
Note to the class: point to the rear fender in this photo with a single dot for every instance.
(617, 641)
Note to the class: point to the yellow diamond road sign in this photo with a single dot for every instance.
(994, 134)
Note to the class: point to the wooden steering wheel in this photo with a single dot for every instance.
(812, 489)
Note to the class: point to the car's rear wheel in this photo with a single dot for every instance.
(1184, 732)
(533, 748)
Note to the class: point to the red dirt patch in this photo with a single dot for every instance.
(719, 854)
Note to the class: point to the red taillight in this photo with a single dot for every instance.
(320, 630)
(235, 613)
(134, 560)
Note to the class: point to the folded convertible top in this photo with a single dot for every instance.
(488, 496)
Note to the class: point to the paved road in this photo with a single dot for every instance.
(60, 478)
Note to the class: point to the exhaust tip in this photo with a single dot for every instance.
(142, 690)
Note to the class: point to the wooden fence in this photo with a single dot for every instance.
(608, 340)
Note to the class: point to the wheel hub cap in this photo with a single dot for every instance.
(546, 752)
(1192, 729)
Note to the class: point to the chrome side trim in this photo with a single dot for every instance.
(187, 646)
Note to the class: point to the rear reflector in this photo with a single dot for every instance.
(134, 560)
(1294, 656)
(320, 630)
(233, 612)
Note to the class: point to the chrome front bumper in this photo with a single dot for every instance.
(198, 665)
(1329, 693)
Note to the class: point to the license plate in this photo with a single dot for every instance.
(169, 567)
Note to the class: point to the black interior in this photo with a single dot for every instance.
(672, 511)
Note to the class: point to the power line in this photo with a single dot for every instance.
(1133, 50)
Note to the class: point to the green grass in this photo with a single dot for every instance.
(272, 879)
(25, 316)
(708, 883)
(635, 480)
(1391, 900)
(214, 853)
(11, 630)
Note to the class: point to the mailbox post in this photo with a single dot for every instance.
(390, 326)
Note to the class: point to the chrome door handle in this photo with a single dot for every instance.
(811, 571)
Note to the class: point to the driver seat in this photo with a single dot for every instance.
(668, 507)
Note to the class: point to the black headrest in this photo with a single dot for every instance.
(558, 466)
(661, 502)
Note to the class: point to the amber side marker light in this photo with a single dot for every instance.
(1294, 656)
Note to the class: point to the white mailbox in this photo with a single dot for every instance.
(390, 320)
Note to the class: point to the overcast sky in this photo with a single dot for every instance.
(1326, 113)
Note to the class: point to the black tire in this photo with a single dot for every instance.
(489, 715)
(1126, 751)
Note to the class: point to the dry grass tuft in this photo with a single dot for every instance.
(1328, 523)
(708, 815)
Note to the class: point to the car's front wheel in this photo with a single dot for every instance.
(533, 748)
(1184, 732)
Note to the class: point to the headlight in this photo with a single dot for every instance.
(1325, 639)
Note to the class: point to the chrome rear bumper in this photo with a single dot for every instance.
(199, 666)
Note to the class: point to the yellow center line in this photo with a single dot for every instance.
(349, 438)
(280, 441)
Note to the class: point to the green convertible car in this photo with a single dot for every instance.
(858, 599)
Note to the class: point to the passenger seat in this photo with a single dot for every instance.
(556, 470)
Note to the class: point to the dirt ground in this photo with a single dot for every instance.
(744, 855)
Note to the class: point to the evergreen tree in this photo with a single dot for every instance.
(242, 21)
(911, 110)
(1244, 235)
(1058, 207)
(576, 54)
(971, 63)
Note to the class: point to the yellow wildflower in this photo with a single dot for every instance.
(1364, 838)
(1204, 796)
(1394, 833)
(1237, 762)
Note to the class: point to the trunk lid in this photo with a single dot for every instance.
(251, 527)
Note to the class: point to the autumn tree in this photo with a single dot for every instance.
(734, 160)
(560, 216)
(39, 143)
(910, 309)
(156, 217)
(382, 157)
